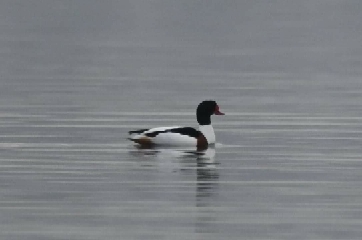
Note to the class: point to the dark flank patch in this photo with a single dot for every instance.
(202, 142)
(138, 131)
(188, 131)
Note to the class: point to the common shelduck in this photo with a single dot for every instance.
(181, 136)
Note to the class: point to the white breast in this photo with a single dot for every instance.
(208, 132)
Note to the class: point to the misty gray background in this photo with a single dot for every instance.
(75, 76)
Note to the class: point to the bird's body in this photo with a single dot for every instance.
(181, 136)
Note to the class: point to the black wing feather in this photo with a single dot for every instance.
(188, 131)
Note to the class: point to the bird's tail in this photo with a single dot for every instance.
(139, 131)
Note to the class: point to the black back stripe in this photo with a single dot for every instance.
(188, 131)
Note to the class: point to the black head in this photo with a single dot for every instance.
(205, 110)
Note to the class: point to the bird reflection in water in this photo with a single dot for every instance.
(203, 160)
(206, 167)
(207, 174)
(207, 177)
(206, 192)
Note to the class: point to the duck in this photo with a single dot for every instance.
(181, 136)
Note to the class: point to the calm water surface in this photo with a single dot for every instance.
(77, 76)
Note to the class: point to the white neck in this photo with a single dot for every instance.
(208, 132)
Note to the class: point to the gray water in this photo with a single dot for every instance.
(76, 76)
